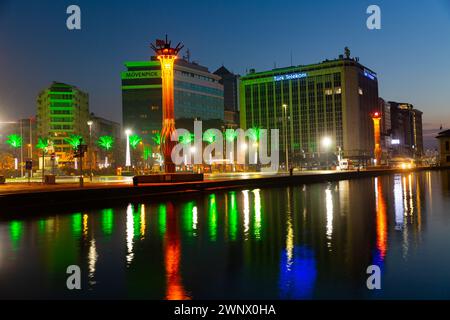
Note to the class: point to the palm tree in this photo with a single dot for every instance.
(135, 140)
(74, 140)
(210, 137)
(15, 142)
(43, 144)
(106, 143)
(255, 134)
(230, 136)
(157, 140)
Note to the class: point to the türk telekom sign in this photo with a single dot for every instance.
(290, 76)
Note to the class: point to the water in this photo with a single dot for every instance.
(303, 242)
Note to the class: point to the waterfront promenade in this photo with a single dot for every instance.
(22, 195)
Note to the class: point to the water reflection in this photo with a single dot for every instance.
(302, 242)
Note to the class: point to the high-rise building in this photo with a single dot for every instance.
(198, 94)
(333, 99)
(230, 82)
(444, 147)
(407, 135)
(385, 109)
(62, 110)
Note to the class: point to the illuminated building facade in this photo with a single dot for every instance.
(330, 99)
(444, 147)
(197, 94)
(407, 135)
(62, 110)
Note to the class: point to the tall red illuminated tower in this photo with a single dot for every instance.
(376, 117)
(167, 56)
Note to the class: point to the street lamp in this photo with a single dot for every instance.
(285, 136)
(90, 123)
(128, 156)
(326, 143)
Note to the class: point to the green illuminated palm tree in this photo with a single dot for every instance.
(209, 136)
(254, 135)
(186, 138)
(74, 140)
(157, 138)
(15, 142)
(106, 143)
(230, 135)
(134, 141)
(43, 144)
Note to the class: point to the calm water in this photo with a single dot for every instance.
(304, 242)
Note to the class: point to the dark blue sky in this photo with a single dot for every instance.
(410, 53)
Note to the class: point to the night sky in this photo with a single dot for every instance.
(411, 53)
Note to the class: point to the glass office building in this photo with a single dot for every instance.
(332, 99)
(198, 94)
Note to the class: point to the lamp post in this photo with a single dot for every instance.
(285, 136)
(90, 123)
(326, 143)
(128, 156)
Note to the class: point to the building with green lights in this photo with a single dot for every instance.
(332, 99)
(62, 110)
(198, 94)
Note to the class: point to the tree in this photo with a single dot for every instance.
(15, 142)
(186, 138)
(74, 140)
(43, 144)
(134, 141)
(254, 135)
(106, 143)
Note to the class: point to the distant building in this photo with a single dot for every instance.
(230, 82)
(386, 127)
(198, 94)
(444, 147)
(406, 134)
(103, 127)
(330, 99)
(62, 110)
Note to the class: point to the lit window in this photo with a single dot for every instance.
(338, 90)
(360, 91)
(328, 92)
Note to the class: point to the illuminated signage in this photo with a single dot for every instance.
(395, 141)
(141, 74)
(290, 76)
(369, 74)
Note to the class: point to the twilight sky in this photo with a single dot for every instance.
(411, 53)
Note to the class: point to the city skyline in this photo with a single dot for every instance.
(401, 78)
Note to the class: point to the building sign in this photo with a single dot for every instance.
(369, 74)
(141, 74)
(395, 141)
(290, 76)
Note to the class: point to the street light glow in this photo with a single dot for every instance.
(326, 142)
(128, 132)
